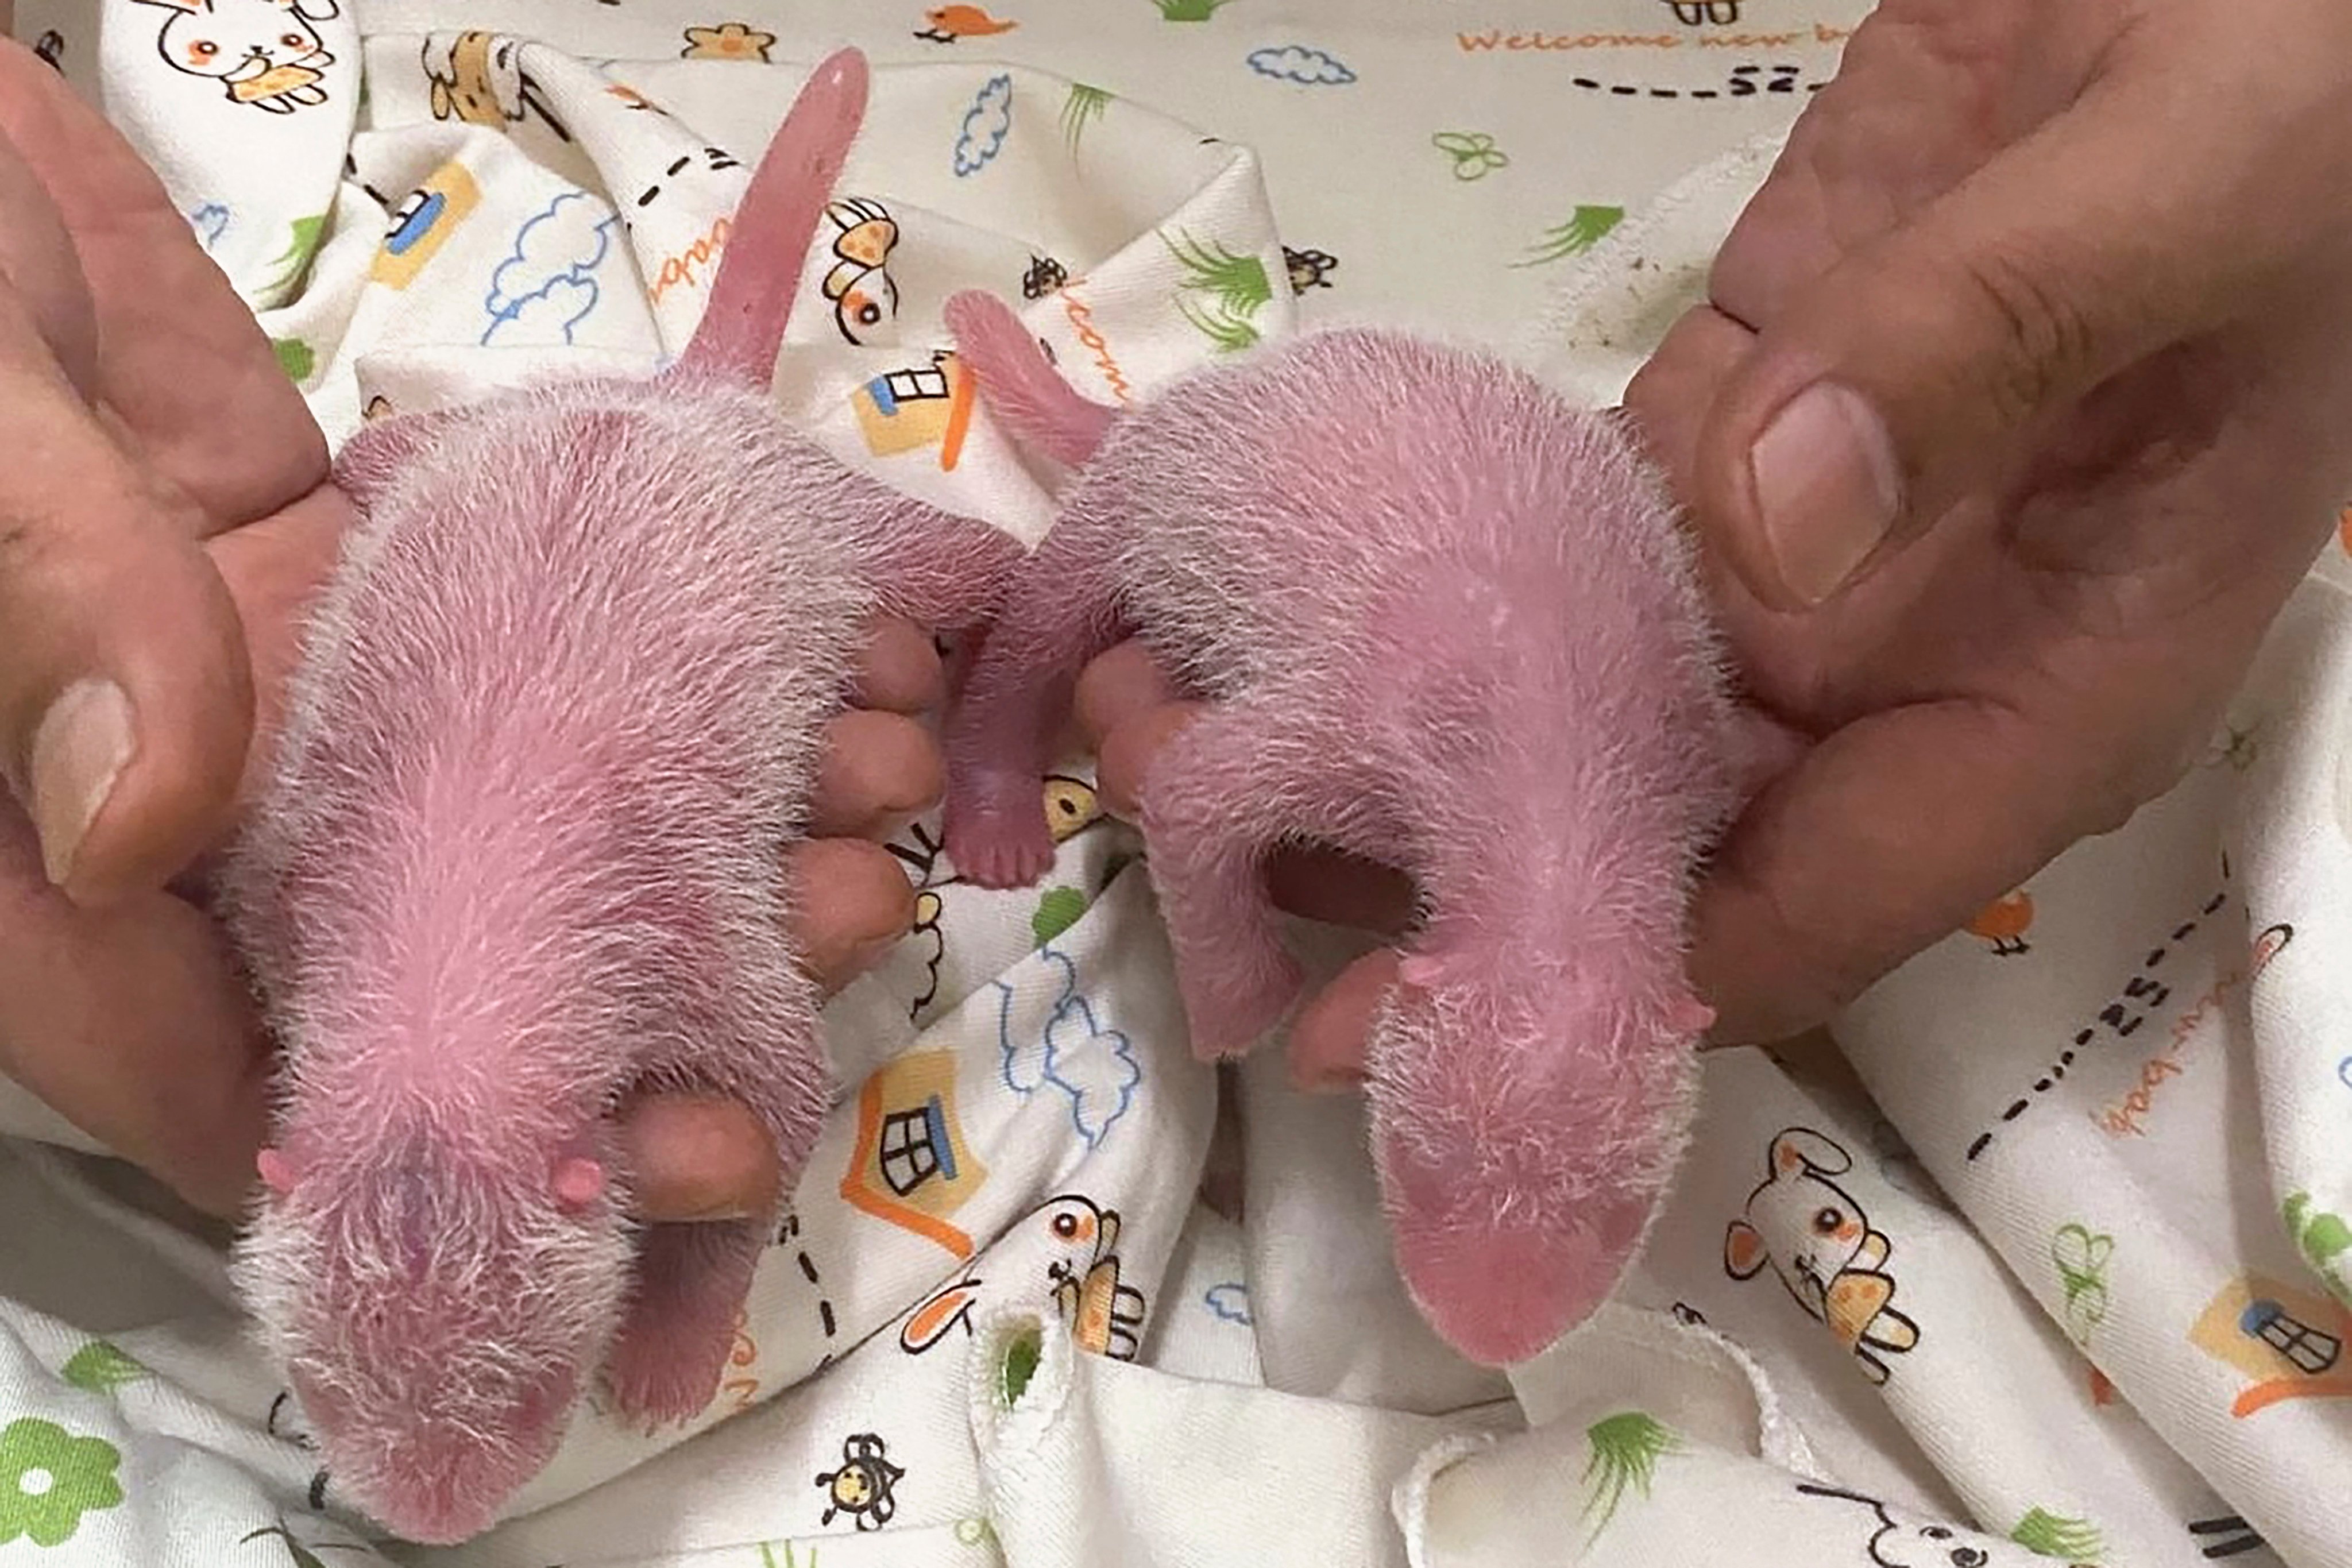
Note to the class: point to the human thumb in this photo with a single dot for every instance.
(1929, 361)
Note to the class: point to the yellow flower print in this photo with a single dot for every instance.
(728, 41)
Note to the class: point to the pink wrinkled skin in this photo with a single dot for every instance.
(1448, 622)
(558, 722)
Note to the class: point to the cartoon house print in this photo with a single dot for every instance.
(2286, 1343)
(1081, 1276)
(912, 1167)
(1823, 1248)
(906, 410)
(423, 223)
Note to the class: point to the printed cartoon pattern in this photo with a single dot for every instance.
(2004, 922)
(921, 406)
(1898, 1541)
(1081, 109)
(1305, 67)
(1626, 1451)
(1821, 1244)
(266, 53)
(2323, 1239)
(2081, 1258)
(1081, 1276)
(728, 41)
(1222, 294)
(1095, 1067)
(985, 126)
(2287, 1344)
(547, 285)
(478, 77)
(422, 223)
(866, 1486)
(1586, 227)
(863, 295)
(912, 1166)
(1473, 153)
(949, 23)
(50, 1480)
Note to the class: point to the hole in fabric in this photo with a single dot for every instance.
(1022, 1354)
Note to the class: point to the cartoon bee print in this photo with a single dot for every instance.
(1045, 276)
(865, 1485)
(1308, 268)
(863, 294)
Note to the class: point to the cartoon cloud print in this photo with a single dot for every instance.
(1096, 1068)
(547, 284)
(1910, 1544)
(985, 126)
(1297, 62)
(1823, 1248)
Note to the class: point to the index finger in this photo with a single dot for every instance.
(1886, 838)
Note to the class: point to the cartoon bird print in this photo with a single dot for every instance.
(1104, 1315)
(863, 294)
(865, 1487)
(1082, 1276)
(949, 23)
(2004, 922)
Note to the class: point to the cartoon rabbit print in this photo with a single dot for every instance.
(266, 53)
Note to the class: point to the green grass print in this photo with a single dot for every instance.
(1583, 230)
(1626, 1448)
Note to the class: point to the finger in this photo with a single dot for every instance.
(1341, 889)
(879, 770)
(1328, 1038)
(851, 904)
(1926, 361)
(1123, 761)
(182, 360)
(1118, 686)
(1888, 838)
(38, 262)
(900, 671)
(274, 571)
(125, 697)
(698, 1158)
(131, 1024)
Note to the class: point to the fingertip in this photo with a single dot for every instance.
(1116, 687)
(900, 670)
(1328, 1039)
(1123, 761)
(698, 1158)
(851, 904)
(879, 769)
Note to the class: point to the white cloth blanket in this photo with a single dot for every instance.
(2088, 1295)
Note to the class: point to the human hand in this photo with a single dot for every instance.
(156, 551)
(2090, 266)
